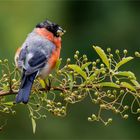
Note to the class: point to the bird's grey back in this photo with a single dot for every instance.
(34, 42)
(35, 47)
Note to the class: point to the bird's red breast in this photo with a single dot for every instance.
(56, 40)
(48, 35)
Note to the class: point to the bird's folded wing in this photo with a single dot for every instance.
(37, 59)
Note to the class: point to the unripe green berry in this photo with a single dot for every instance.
(125, 51)
(84, 56)
(111, 55)
(109, 50)
(138, 110)
(14, 80)
(98, 60)
(122, 91)
(103, 72)
(137, 54)
(59, 104)
(79, 97)
(59, 72)
(13, 112)
(50, 75)
(4, 75)
(94, 101)
(5, 60)
(89, 119)
(112, 96)
(71, 72)
(138, 118)
(108, 91)
(94, 117)
(113, 108)
(61, 94)
(63, 107)
(76, 56)
(117, 82)
(96, 93)
(125, 116)
(114, 91)
(103, 106)
(126, 107)
(109, 60)
(63, 80)
(44, 116)
(6, 80)
(93, 68)
(117, 111)
(77, 52)
(109, 95)
(102, 65)
(85, 59)
(49, 101)
(110, 120)
(48, 105)
(50, 110)
(117, 51)
(68, 60)
(72, 95)
(94, 63)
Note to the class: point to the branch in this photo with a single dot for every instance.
(58, 88)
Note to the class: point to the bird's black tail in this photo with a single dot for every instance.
(25, 87)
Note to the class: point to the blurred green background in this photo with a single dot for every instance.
(114, 24)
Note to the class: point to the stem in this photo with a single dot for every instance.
(58, 88)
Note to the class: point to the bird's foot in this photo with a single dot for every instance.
(48, 85)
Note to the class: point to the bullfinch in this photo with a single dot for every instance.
(38, 56)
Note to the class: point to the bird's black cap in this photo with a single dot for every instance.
(52, 27)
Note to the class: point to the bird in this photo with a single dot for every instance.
(37, 56)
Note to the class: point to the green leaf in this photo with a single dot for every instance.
(127, 85)
(109, 84)
(58, 63)
(70, 77)
(42, 83)
(135, 83)
(123, 61)
(126, 73)
(102, 55)
(94, 75)
(9, 103)
(77, 69)
(85, 65)
(33, 124)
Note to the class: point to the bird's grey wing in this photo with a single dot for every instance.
(34, 61)
(22, 56)
(38, 59)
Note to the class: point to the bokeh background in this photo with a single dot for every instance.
(114, 24)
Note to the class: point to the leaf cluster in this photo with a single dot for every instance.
(102, 81)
